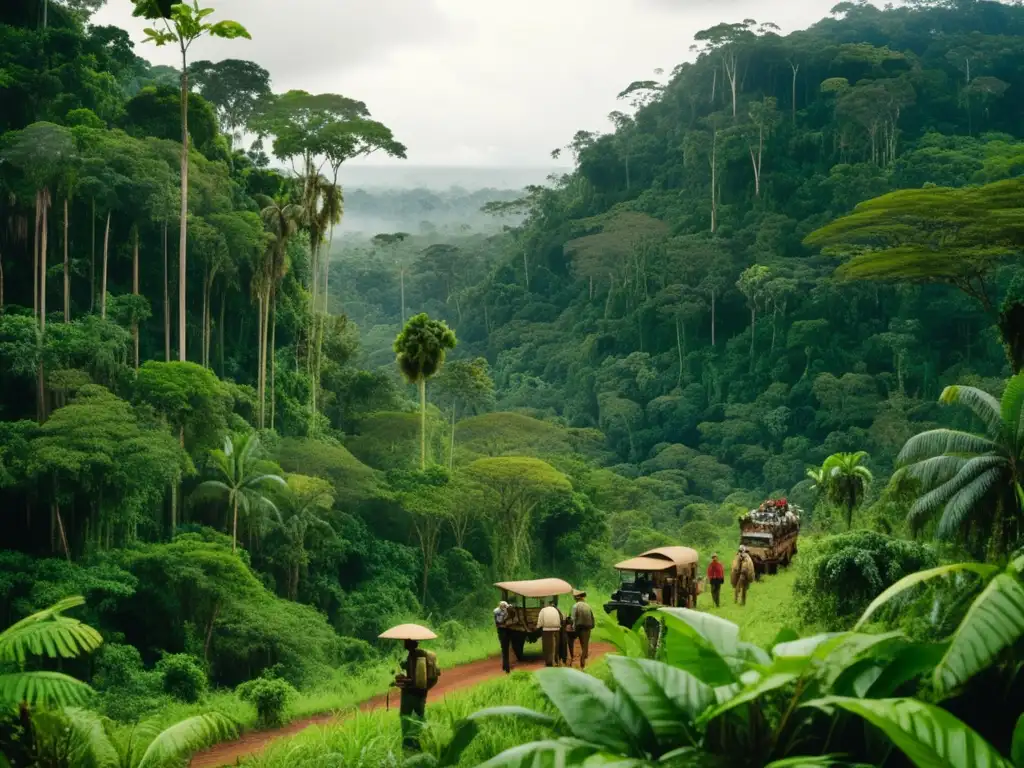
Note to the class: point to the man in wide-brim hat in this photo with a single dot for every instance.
(582, 616)
(418, 677)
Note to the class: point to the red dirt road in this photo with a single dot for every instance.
(453, 679)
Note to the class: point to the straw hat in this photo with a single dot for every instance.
(408, 632)
(579, 593)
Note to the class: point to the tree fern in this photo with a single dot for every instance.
(47, 689)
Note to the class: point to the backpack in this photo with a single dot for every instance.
(427, 671)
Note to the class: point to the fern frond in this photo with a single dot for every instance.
(186, 737)
(935, 471)
(90, 746)
(967, 472)
(46, 689)
(49, 633)
(981, 403)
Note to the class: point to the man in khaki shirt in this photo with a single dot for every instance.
(549, 622)
(582, 623)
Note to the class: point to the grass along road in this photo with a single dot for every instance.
(453, 679)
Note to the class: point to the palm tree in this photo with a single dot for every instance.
(970, 481)
(299, 513)
(420, 349)
(81, 737)
(46, 633)
(846, 481)
(240, 481)
(282, 219)
(328, 215)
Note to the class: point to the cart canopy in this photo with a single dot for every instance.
(536, 587)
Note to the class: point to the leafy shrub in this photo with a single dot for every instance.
(183, 676)
(699, 534)
(117, 666)
(270, 696)
(451, 633)
(846, 572)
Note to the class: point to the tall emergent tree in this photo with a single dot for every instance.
(419, 351)
(182, 25)
(846, 481)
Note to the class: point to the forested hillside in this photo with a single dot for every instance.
(662, 293)
(252, 441)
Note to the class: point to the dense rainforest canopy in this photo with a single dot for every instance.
(778, 259)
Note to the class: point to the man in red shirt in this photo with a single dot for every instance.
(716, 577)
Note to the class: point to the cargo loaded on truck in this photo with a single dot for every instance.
(770, 533)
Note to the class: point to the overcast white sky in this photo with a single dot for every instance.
(472, 82)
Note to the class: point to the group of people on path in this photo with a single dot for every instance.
(559, 632)
(741, 576)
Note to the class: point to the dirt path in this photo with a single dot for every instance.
(454, 679)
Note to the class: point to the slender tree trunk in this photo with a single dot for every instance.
(795, 68)
(261, 349)
(714, 179)
(174, 508)
(63, 533)
(679, 349)
(526, 269)
(67, 268)
(423, 423)
(401, 277)
(220, 328)
(103, 277)
(205, 315)
(273, 361)
(167, 305)
(37, 234)
(451, 447)
(42, 260)
(183, 223)
(92, 261)
(753, 332)
(712, 317)
(209, 632)
(1, 283)
(234, 525)
(135, 291)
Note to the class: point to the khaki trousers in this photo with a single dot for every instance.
(584, 636)
(549, 643)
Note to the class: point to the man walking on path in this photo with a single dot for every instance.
(742, 575)
(582, 622)
(420, 675)
(549, 622)
(716, 577)
(500, 617)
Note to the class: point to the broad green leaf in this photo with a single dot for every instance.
(186, 737)
(907, 582)
(1017, 745)
(907, 665)
(550, 753)
(721, 634)
(994, 622)
(685, 647)
(587, 706)
(750, 693)
(466, 730)
(753, 654)
(806, 647)
(821, 761)
(929, 736)
(670, 699)
(785, 635)
(855, 648)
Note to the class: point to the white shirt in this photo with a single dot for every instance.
(549, 619)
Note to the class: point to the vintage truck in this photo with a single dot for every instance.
(769, 533)
(525, 599)
(666, 576)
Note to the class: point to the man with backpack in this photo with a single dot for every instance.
(420, 675)
(582, 623)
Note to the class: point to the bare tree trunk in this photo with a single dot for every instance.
(712, 317)
(67, 268)
(261, 348)
(183, 223)
(401, 277)
(753, 332)
(35, 255)
(714, 179)
(526, 269)
(106, 251)
(795, 68)
(423, 423)
(273, 355)
(92, 261)
(220, 328)
(205, 316)
(209, 632)
(42, 259)
(234, 526)
(167, 305)
(135, 291)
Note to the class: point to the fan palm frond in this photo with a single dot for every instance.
(981, 403)
(42, 689)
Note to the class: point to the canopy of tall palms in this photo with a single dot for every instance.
(846, 481)
(239, 480)
(300, 511)
(419, 351)
(971, 481)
